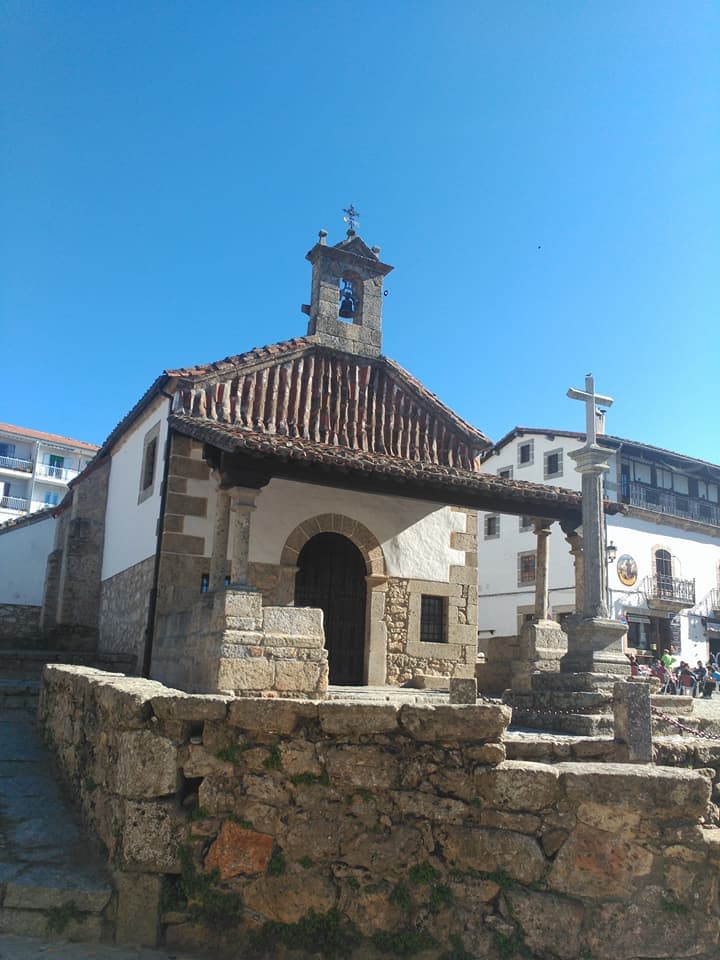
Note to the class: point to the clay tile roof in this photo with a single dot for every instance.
(257, 355)
(48, 437)
(469, 486)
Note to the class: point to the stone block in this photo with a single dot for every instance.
(138, 908)
(189, 467)
(288, 898)
(361, 767)
(293, 626)
(519, 786)
(476, 848)
(552, 925)
(190, 707)
(279, 717)
(150, 836)
(463, 690)
(46, 887)
(463, 575)
(301, 676)
(196, 761)
(146, 765)
(461, 723)
(180, 504)
(183, 544)
(633, 720)
(598, 864)
(246, 674)
(662, 793)
(357, 719)
(238, 851)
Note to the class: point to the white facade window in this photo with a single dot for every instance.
(505, 473)
(526, 453)
(526, 568)
(148, 469)
(492, 526)
(553, 464)
(525, 524)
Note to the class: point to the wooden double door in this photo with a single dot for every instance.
(331, 576)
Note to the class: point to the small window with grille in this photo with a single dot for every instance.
(492, 526)
(432, 619)
(506, 473)
(553, 464)
(526, 453)
(526, 568)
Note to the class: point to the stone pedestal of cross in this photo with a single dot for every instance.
(595, 642)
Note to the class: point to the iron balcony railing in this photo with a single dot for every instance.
(663, 587)
(14, 503)
(15, 463)
(55, 473)
(669, 502)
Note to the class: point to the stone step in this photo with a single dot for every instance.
(19, 694)
(28, 664)
(53, 881)
(577, 724)
(574, 702)
(54, 902)
(387, 694)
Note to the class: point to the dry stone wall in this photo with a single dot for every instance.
(19, 623)
(368, 830)
(124, 603)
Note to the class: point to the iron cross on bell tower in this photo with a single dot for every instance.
(351, 217)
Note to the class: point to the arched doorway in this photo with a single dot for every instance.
(331, 575)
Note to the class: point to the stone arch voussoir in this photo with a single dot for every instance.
(364, 539)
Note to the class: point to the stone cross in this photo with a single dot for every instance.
(591, 401)
(595, 641)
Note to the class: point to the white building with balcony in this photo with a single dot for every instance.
(35, 469)
(664, 556)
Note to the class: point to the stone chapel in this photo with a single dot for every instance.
(300, 514)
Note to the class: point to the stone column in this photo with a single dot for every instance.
(242, 503)
(574, 538)
(595, 643)
(218, 564)
(542, 554)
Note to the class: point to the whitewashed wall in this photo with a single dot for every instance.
(499, 594)
(695, 556)
(23, 556)
(130, 526)
(414, 535)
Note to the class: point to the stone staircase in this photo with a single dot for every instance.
(53, 881)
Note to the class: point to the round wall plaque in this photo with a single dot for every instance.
(627, 570)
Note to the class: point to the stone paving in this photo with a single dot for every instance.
(46, 862)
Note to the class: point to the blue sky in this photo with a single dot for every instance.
(543, 176)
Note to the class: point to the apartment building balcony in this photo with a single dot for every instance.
(670, 503)
(15, 465)
(14, 504)
(668, 593)
(49, 471)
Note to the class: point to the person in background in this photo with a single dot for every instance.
(700, 673)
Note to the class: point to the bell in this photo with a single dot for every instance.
(347, 308)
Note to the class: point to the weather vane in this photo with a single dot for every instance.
(351, 216)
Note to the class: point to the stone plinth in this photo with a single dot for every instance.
(230, 643)
(542, 645)
(595, 645)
